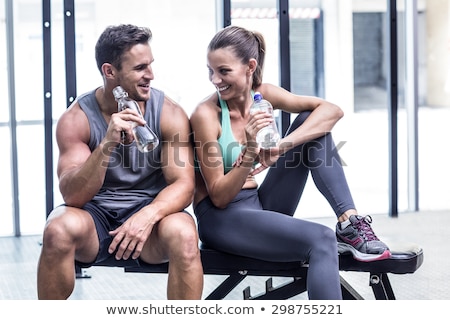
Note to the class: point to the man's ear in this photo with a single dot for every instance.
(108, 70)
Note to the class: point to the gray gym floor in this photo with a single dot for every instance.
(19, 255)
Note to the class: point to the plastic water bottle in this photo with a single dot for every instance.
(145, 138)
(267, 137)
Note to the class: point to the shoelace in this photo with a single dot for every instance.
(364, 228)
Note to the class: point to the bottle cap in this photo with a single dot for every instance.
(257, 96)
(118, 92)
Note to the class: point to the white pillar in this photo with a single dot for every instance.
(438, 53)
(338, 53)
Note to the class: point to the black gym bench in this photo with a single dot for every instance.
(403, 261)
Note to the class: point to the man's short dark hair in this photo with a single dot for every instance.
(116, 40)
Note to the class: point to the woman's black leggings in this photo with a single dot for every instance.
(259, 223)
(285, 181)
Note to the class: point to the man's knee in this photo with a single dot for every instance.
(183, 238)
(188, 239)
(54, 230)
(62, 229)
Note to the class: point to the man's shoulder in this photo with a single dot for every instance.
(173, 115)
(84, 100)
(169, 104)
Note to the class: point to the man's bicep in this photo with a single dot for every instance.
(177, 151)
(72, 135)
(72, 156)
(178, 158)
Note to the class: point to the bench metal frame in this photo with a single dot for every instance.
(238, 267)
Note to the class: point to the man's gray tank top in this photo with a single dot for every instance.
(132, 176)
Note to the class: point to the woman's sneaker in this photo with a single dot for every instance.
(359, 239)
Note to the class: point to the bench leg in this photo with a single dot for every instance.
(381, 286)
(80, 273)
(226, 286)
(283, 292)
(348, 292)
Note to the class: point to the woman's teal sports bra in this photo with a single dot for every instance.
(229, 147)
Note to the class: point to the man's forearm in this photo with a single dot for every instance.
(174, 198)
